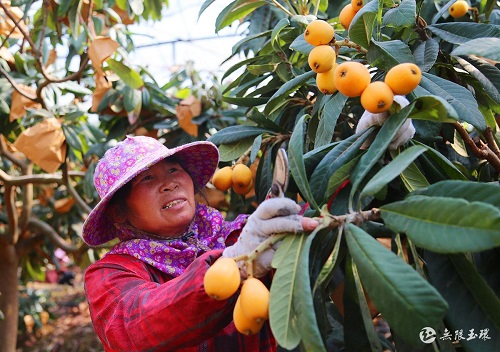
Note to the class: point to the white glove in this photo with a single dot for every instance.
(405, 133)
(274, 215)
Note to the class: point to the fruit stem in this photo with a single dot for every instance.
(349, 44)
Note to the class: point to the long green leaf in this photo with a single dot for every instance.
(470, 191)
(391, 171)
(462, 32)
(233, 134)
(360, 30)
(405, 299)
(128, 75)
(303, 301)
(282, 317)
(328, 119)
(236, 11)
(296, 158)
(279, 98)
(378, 147)
(445, 225)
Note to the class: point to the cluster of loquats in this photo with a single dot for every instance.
(238, 176)
(349, 11)
(251, 310)
(352, 78)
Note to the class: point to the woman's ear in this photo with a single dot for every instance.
(117, 213)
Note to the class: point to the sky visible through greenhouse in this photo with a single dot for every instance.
(181, 37)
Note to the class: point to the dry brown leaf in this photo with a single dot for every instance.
(100, 50)
(44, 144)
(7, 55)
(64, 205)
(7, 26)
(20, 103)
(102, 85)
(186, 110)
(123, 15)
(52, 58)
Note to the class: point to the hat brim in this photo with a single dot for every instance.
(99, 228)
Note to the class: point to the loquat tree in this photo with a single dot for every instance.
(410, 235)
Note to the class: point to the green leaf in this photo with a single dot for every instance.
(387, 54)
(426, 54)
(486, 74)
(445, 225)
(401, 16)
(483, 47)
(282, 316)
(235, 133)
(433, 108)
(467, 190)
(460, 98)
(361, 28)
(438, 160)
(340, 155)
(296, 159)
(235, 11)
(379, 146)
(258, 70)
(131, 98)
(462, 32)
(328, 119)
(391, 171)
(232, 151)
(249, 102)
(128, 75)
(396, 289)
(73, 87)
(279, 98)
(473, 303)
(283, 23)
(303, 301)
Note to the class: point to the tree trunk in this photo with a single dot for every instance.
(9, 301)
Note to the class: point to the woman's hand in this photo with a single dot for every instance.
(274, 215)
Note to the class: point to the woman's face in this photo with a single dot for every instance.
(161, 200)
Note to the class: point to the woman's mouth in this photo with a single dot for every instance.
(173, 203)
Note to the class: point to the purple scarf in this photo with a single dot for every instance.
(207, 231)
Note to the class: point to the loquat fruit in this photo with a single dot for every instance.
(319, 32)
(223, 178)
(321, 58)
(377, 97)
(242, 175)
(243, 189)
(459, 8)
(403, 78)
(222, 279)
(326, 81)
(351, 78)
(254, 299)
(357, 5)
(346, 15)
(244, 324)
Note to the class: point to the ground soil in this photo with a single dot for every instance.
(69, 328)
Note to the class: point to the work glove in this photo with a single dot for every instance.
(274, 215)
(405, 133)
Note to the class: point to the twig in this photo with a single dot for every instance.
(479, 148)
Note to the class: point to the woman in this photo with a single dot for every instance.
(147, 293)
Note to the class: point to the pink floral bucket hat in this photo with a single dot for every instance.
(132, 156)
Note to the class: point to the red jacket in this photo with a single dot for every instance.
(136, 307)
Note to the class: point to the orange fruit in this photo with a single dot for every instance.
(243, 189)
(222, 279)
(223, 178)
(377, 97)
(326, 81)
(254, 299)
(346, 16)
(459, 8)
(244, 324)
(351, 78)
(242, 175)
(403, 78)
(357, 5)
(321, 58)
(319, 32)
